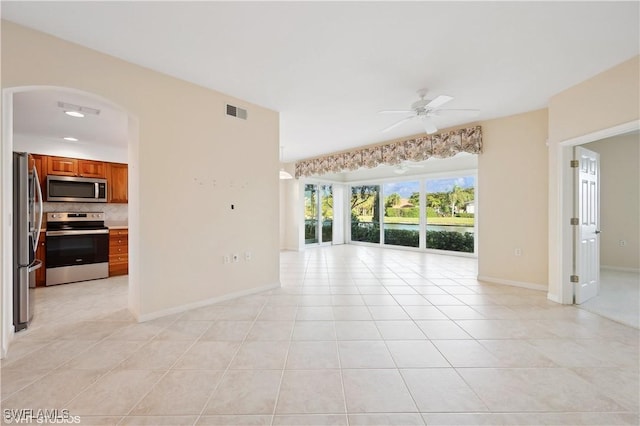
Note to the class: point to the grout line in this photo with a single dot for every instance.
(226, 370)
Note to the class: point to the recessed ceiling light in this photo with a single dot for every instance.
(75, 114)
(70, 139)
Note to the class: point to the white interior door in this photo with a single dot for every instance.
(587, 211)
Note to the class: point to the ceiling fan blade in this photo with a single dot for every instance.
(464, 112)
(396, 124)
(396, 111)
(429, 127)
(438, 101)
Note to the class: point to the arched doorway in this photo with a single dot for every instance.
(31, 122)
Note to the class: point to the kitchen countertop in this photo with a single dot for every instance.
(115, 224)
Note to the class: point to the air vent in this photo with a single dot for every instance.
(236, 112)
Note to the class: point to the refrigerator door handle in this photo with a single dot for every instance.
(40, 208)
(37, 264)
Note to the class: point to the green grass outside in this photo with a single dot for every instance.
(457, 221)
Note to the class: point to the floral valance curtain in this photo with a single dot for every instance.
(421, 148)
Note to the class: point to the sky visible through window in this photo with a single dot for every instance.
(405, 189)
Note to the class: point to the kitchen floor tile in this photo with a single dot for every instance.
(208, 355)
(240, 420)
(416, 354)
(377, 354)
(155, 355)
(325, 349)
(309, 355)
(179, 392)
(115, 393)
(441, 390)
(271, 330)
(399, 330)
(314, 330)
(376, 391)
(246, 392)
(259, 355)
(523, 389)
(298, 396)
(357, 330)
(227, 330)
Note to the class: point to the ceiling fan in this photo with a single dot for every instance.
(425, 110)
(404, 167)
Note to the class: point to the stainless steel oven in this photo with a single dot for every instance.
(77, 247)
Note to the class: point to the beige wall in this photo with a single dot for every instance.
(619, 200)
(604, 101)
(512, 200)
(193, 161)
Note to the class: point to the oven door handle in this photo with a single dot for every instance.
(81, 232)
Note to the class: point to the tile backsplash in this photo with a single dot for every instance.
(113, 212)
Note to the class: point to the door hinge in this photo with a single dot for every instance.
(575, 163)
(575, 279)
(575, 221)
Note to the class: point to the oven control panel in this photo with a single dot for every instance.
(75, 217)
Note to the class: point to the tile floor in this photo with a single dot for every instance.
(356, 335)
(618, 298)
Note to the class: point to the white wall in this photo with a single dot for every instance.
(619, 200)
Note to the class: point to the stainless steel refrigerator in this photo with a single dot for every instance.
(27, 222)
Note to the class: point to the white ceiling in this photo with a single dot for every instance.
(36, 115)
(329, 67)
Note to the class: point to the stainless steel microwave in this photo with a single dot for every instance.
(76, 189)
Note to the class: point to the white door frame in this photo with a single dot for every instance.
(6, 209)
(561, 209)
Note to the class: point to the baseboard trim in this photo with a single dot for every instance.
(521, 284)
(206, 302)
(619, 268)
(554, 298)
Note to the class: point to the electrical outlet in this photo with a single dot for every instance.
(235, 257)
(517, 252)
(622, 243)
(247, 256)
(226, 259)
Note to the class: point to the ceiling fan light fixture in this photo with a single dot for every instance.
(285, 174)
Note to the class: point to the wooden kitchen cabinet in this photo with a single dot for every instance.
(90, 168)
(41, 253)
(117, 183)
(64, 166)
(118, 252)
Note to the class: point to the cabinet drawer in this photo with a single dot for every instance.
(118, 249)
(119, 232)
(118, 241)
(118, 258)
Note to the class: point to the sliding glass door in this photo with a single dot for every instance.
(318, 214)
